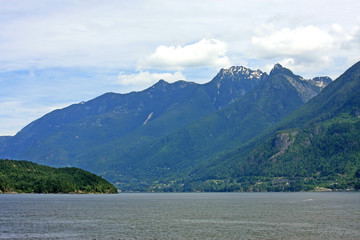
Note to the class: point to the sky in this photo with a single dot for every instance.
(60, 52)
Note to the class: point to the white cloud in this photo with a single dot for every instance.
(145, 78)
(302, 49)
(300, 42)
(336, 28)
(205, 53)
(352, 39)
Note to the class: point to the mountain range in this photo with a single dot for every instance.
(245, 130)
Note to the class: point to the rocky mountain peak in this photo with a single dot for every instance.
(161, 82)
(278, 66)
(232, 83)
(240, 70)
(160, 85)
(306, 89)
(321, 82)
(278, 69)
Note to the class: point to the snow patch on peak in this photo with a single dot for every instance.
(240, 70)
(256, 74)
(320, 82)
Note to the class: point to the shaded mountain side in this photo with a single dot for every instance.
(317, 145)
(81, 149)
(28, 177)
(3, 141)
(107, 116)
(338, 97)
(61, 135)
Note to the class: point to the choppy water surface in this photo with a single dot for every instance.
(181, 216)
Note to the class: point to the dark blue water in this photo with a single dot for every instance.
(181, 216)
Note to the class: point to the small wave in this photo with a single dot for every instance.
(309, 199)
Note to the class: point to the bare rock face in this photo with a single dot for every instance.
(307, 89)
(321, 82)
(232, 83)
(282, 141)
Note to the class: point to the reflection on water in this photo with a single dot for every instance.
(181, 216)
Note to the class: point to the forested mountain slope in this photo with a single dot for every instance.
(318, 145)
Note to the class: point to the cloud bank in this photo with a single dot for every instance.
(299, 47)
(204, 53)
(306, 48)
(300, 41)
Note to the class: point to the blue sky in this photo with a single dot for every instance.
(56, 53)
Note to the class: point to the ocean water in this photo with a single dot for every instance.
(310, 215)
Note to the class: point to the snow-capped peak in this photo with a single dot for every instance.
(240, 70)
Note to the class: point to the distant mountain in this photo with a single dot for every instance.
(28, 177)
(193, 145)
(315, 147)
(58, 137)
(141, 139)
(3, 140)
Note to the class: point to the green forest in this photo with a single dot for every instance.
(28, 177)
